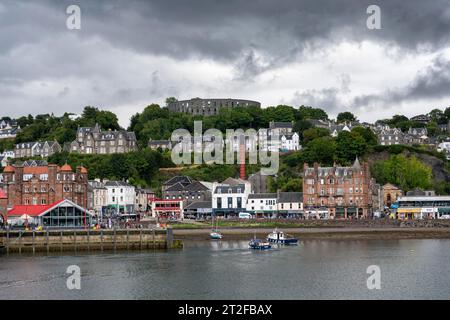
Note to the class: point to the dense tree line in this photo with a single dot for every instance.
(158, 123)
(139, 167)
(63, 129)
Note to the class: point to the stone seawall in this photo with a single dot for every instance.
(87, 240)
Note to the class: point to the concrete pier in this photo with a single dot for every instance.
(87, 240)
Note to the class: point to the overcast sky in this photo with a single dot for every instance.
(129, 54)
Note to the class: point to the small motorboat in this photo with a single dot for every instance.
(280, 237)
(258, 244)
(215, 235)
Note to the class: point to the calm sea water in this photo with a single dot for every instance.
(315, 269)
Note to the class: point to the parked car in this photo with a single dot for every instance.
(245, 215)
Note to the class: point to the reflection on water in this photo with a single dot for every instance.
(314, 269)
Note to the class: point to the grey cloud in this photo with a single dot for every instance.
(431, 83)
(250, 36)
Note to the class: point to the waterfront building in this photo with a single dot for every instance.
(42, 149)
(167, 209)
(99, 196)
(142, 199)
(3, 206)
(377, 197)
(92, 140)
(423, 207)
(186, 189)
(60, 214)
(208, 107)
(228, 199)
(120, 198)
(262, 204)
(290, 204)
(390, 194)
(198, 209)
(342, 192)
(34, 183)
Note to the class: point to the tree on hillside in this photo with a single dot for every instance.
(368, 135)
(321, 150)
(312, 113)
(345, 116)
(407, 173)
(349, 145)
(314, 133)
(170, 100)
(106, 119)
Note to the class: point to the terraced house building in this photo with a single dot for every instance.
(42, 149)
(344, 192)
(92, 140)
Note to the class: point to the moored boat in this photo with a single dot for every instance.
(215, 235)
(259, 244)
(278, 236)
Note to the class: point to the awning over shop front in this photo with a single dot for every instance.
(444, 210)
(409, 210)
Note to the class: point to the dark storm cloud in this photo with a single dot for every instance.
(225, 29)
(252, 36)
(431, 83)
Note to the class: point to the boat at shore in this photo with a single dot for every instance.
(279, 237)
(215, 234)
(258, 244)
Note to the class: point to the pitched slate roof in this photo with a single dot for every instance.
(196, 186)
(176, 179)
(117, 184)
(198, 205)
(288, 197)
(233, 188)
(176, 187)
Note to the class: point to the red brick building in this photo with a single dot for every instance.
(342, 191)
(45, 184)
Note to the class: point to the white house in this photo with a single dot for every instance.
(120, 197)
(444, 146)
(230, 199)
(290, 204)
(290, 142)
(262, 204)
(5, 156)
(285, 142)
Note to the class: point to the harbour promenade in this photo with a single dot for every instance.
(20, 241)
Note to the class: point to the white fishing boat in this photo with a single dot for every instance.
(278, 236)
